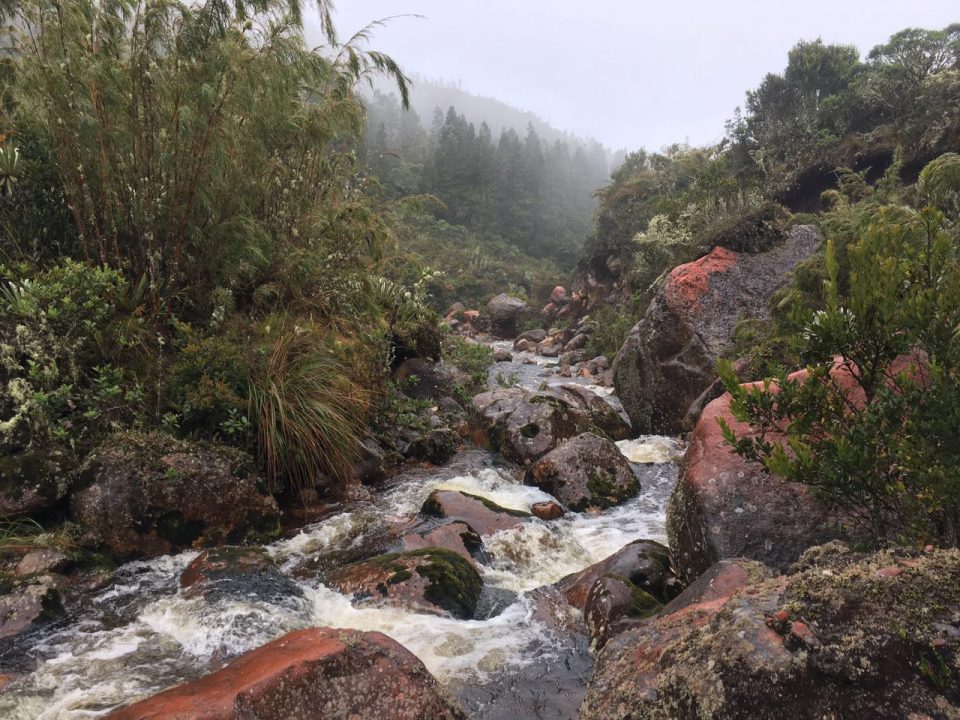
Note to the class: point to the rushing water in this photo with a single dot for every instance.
(142, 633)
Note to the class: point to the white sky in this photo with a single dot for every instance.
(632, 74)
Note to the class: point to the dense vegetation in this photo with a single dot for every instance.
(874, 433)
(187, 236)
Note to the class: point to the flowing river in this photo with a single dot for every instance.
(141, 634)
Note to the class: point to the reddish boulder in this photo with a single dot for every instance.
(724, 506)
(558, 294)
(483, 516)
(670, 356)
(457, 537)
(431, 580)
(315, 674)
(830, 640)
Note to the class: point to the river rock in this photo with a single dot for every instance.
(30, 602)
(614, 604)
(670, 356)
(530, 336)
(151, 494)
(505, 313)
(437, 446)
(484, 516)
(524, 426)
(238, 572)
(502, 356)
(423, 379)
(643, 563)
(601, 414)
(587, 471)
(724, 506)
(547, 510)
(457, 537)
(845, 635)
(313, 674)
(40, 562)
(431, 580)
(33, 482)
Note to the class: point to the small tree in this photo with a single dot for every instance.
(874, 425)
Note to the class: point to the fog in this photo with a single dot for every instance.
(630, 74)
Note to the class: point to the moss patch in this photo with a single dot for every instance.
(455, 585)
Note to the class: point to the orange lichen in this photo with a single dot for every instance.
(688, 283)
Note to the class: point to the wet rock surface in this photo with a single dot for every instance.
(432, 580)
(33, 483)
(843, 635)
(316, 674)
(505, 313)
(150, 494)
(238, 572)
(26, 603)
(586, 471)
(483, 516)
(670, 356)
(644, 563)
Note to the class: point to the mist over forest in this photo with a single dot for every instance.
(330, 391)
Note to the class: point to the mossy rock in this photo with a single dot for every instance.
(146, 494)
(433, 580)
(587, 471)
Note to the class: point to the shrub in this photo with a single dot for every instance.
(64, 336)
(612, 328)
(472, 358)
(891, 460)
(208, 384)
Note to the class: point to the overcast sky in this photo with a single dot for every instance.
(630, 73)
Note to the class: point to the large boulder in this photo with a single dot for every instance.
(644, 563)
(142, 495)
(314, 674)
(670, 356)
(238, 572)
(587, 471)
(724, 506)
(505, 314)
(845, 636)
(524, 426)
(431, 580)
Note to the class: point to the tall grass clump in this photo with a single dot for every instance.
(309, 413)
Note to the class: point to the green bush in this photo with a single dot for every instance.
(612, 328)
(65, 338)
(882, 446)
(470, 357)
(208, 385)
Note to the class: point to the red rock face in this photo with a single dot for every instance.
(315, 674)
(724, 506)
(485, 518)
(669, 359)
(547, 510)
(687, 284)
